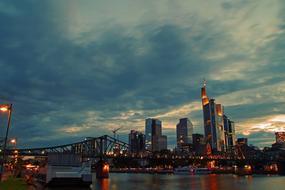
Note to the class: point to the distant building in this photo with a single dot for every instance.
(155, 141)
(198, 139)
(136, 141)
(160, 143)
(184, 131)
(280, 137)
(229, 130)
(278, 146)
(187, 148)
(213, 122)
(199, 146)
(152, 127)
(242, 141)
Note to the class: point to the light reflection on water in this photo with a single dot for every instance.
(180, 182)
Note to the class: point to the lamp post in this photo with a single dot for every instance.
(5, 108)
(13, 142)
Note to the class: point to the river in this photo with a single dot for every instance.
(183, 182)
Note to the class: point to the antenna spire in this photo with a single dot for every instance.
(204, 82)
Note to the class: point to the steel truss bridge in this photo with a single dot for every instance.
(90, 147)
(109, 147)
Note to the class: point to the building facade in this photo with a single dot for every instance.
(159, 143)
(184, 131)
(230, 137)
(198, 139)
(136, 141)
(199, 145)
(154, 139)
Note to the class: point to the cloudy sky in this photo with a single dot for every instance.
(82, 68)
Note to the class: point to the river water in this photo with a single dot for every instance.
(184, 182)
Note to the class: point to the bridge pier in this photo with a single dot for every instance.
(281, 167)
(102, 170)
(243, 168)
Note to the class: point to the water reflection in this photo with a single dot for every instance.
(213, 182)
(180, 182)
(102, 184)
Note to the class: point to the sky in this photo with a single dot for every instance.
(75, 69)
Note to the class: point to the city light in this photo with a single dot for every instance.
(13, 141)
(106, 168)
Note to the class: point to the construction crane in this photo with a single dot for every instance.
(114, 131)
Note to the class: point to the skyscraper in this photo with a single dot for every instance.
(149, 125)
(155, 141)
(220, 127)
(230, 137)
(136, 141)
(213, 122)
(184, 131)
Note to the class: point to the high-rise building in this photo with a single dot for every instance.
(184, 131)
(136, 141)
(280, 137)
(213, 122)
(159, 143)
(230, 137)
(199, 145)
(231, 134)
(242, 141)
(152, 127)
(220, 127)
(154, 139)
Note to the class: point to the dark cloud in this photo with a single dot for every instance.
(253, 111)
(54, 81)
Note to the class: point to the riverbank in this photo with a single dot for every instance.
(14, 184)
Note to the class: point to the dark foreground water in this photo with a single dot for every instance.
(183, 182)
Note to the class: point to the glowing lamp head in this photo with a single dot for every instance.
(106, 168)
(13, 141)
(4, 109)
(247, 167)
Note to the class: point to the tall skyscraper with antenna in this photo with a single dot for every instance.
(213, 121)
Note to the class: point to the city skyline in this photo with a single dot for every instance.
(75, 69)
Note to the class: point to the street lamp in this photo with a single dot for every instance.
(5, 108)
